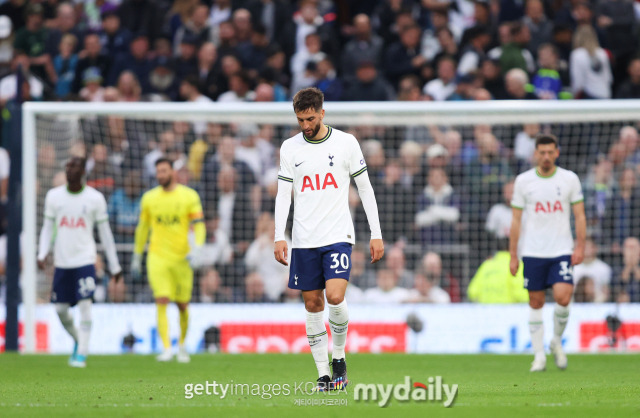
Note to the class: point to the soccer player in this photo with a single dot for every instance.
(169, 210)
(70, 213)
(547, 194)
(318, 164)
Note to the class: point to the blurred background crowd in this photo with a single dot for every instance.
(443, 191)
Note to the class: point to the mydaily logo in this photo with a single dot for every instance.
(434, 391)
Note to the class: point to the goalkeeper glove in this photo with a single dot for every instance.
(195, 256)
(136, 266)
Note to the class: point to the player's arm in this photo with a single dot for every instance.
(140, 238)
(368, 198)
(196, 219)
(581, 233)
(46, 233)
(283, 203)
(514, 236)
(106, 238)
(358, 170)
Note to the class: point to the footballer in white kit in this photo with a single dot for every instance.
(70, 214)
(547, 195)
(318, 165)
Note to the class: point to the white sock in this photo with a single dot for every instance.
(67, 321)
(339, 323)
(85, 326)
(536, 328)
(318, 341)
(560, 319)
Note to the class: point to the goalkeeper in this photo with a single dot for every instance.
(169, 210)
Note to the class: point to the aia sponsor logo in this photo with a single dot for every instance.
(270, 337)
(72, 222)
(547, 207)
(329, 181)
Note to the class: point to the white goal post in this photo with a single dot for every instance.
(383, 114)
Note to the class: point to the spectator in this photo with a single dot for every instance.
(253, 54)
(492, 77)
(241, 20)
(239, 89)
(594, 269)
(404, 57)
(394, 198)
(255, 151)
(327, 80)
(129, 87)
(525, 144)
(115, 39)
(547, 82)
(438, 210)
(630, 89)
(308, 20)
(516, 83)
(622, 213)
(163, 80)
(227, 40)
(300, 73)
(396, 262)
(15, 10)
(584, 291)
(100, 174)
(368, 86)
(252, 291)
(625, 286)
(91, 56)
(234, 207)
(92, 90)
(514, 54)
(137, 61)
(441, 88)
(196, 28)
(539, 26)
(190, 90)
(474, 53)
(124, 207)
(426, 291)
(65, 23)
(431, 45)
(65, 64)
(617, 19)
(8, 84)
(31, 39)
(409, 89)
(431, 267)
(499, 217)
(141, 16)
(207, 71)
(448, 44)
(259, 258)
(365, 46)
(6, 44)
(264, 92)
(186, 62)
(386, 290)
(217, 250)
(465, 87)
(598, 191)
(493, 283)
(590, 71)
(211, 289)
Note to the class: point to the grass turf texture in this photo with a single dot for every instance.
(489, 385)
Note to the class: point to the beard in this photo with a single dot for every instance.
(165, 182)
(315, 131)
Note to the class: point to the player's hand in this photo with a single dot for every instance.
(577, 256)
(377, 250)
(195, 257)
(136, 266)
(281, 252)
(117, 277)
(42, 264)
(513, 265)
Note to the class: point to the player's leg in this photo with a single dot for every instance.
(85, 285)
(184, 286)
(160, 283)
(561, 276)
(84, 306)
(63, 295)
(535, 277)
(336, 269)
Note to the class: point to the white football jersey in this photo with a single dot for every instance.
(321, 172)
(547, 204)
(74, 216)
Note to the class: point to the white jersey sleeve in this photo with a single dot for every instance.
(576, 191)
(357, 164)
(517, 201)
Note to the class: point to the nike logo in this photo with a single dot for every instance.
(340, 271)
(298, 164)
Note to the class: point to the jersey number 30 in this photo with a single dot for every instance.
(344, 261)
(87, 285)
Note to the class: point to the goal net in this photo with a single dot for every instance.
(442, 174)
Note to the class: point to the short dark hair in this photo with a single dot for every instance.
(83, 160)
(544, 139)
(194, 81)
(162, 160)
(309, 98)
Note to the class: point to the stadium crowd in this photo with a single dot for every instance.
(443, 193)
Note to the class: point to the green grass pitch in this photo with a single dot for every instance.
(489, 385)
